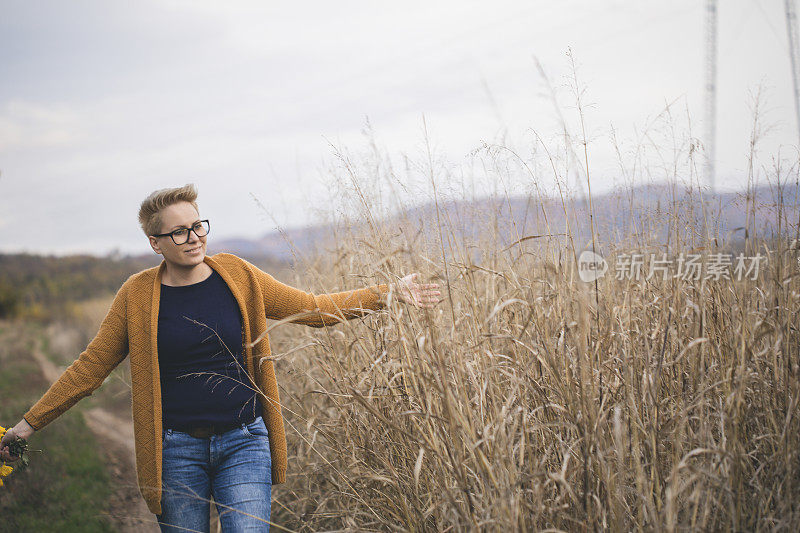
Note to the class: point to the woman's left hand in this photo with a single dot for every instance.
(417, 294)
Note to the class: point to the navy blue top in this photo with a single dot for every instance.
(200, 331)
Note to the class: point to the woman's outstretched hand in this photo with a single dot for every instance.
(417, 294)
(23, 430)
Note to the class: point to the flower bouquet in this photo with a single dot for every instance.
(18, 447)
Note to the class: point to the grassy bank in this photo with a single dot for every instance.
(66, 486)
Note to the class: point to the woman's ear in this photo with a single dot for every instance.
(154, 244)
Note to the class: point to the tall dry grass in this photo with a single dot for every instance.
(529, 399)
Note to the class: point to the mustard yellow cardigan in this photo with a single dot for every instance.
(131, 327)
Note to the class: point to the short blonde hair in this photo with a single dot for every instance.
(149, 218)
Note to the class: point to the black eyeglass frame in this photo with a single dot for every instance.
(172, 233)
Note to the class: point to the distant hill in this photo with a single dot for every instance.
(648, 212)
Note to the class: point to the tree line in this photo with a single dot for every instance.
(42, 287)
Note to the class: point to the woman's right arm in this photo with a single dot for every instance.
(107, 350)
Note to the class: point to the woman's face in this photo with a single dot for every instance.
(175, 216)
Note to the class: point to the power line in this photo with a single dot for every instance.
(791, 30)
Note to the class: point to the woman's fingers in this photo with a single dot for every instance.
(6, 455)
(427, 299)
(431, 294)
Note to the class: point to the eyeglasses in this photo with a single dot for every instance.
(181, 235)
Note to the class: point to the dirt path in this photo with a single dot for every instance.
(127, 508)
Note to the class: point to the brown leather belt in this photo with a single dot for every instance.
(203, 432)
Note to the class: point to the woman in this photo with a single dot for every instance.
(206, 411)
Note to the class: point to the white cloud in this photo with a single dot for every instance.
(28, 125)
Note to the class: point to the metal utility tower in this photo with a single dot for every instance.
(791, 29)
(711, 78)
(711, 90)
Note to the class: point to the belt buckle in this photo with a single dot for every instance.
(202, 432)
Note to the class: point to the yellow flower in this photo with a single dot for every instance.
(5, 470)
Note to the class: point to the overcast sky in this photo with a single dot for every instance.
(101, 102)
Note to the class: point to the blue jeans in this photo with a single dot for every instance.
(236, 467)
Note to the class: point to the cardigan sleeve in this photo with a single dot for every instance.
(282, 301)
(107, 350)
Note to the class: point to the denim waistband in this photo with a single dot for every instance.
(217, 429)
